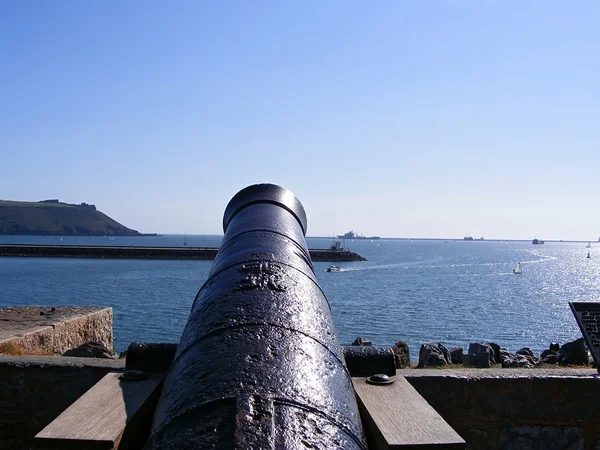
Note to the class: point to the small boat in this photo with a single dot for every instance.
(517, 270)
(588, 255)
(589, 245)
(334, 269)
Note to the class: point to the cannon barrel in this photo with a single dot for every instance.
(259, 364)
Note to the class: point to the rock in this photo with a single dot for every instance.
(444, 351)
(496, 349)
(90, 350)
(480, 355)
(506, 358)
(549, 357)
(528, 353)
(521, 361)
(401, 354)
(430, 355)
(123, 354)
(573, 353)
(361, 342)
(456, 355)
(554, 346)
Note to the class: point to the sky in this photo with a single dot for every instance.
(391, 118)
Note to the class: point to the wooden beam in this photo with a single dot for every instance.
(97, 420)
(395, 416)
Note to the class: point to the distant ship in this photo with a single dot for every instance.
(537, 241)
(352, 235)
(468, 238)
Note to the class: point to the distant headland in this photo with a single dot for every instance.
(55, 218)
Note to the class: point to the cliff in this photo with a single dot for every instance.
(51, 217)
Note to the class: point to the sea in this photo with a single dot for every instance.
(417, 291)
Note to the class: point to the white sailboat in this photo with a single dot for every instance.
(517, 270)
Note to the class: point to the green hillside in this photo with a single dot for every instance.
(51, 217)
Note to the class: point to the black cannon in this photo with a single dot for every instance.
(259, 364)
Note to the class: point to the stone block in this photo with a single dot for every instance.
(54, 330)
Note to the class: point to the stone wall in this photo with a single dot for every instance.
(34, 390)
(54, 330)
(489, 408)
(515, 408)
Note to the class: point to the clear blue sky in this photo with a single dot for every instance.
(397, 118)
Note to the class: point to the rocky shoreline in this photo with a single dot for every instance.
(489, 355)
(481, 355)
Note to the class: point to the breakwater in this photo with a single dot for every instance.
(133, 252)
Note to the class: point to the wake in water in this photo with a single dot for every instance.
(406, 266)
(542, 258)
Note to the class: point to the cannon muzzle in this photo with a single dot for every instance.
(259, 364)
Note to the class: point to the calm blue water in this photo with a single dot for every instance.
(421, 291)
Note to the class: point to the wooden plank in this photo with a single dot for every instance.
(395, 416)
(98, 418)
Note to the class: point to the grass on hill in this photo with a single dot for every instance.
(58, 219)
(35, 204)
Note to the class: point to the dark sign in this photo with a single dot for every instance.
(588, 319)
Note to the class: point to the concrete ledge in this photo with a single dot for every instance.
(59, 363)
(470, 373)
(49, 330)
